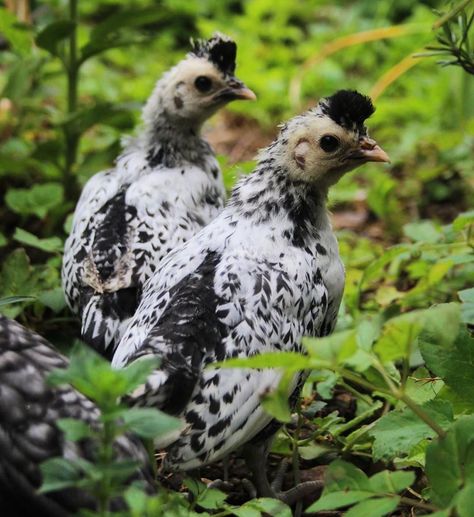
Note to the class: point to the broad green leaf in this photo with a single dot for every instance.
(74, 429)
(463, 220)
(465, 501)
(59, 473)
(211, 499)
(276, 402)
(340, 499)
(262, 506)
(391, 482)
(334, 349)
(53, 34)
(150, 423)
(377, 507)
(51, 245)
(452, 359)
(425, 231)
(38, 200)
(467, 307)
(341, 475)
(290, 360)
(53, 298)
(421, 387)
(450, 462)
(108, 114)
(398, 432)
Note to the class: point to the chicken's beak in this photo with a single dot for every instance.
(235, 90)
(370, 151)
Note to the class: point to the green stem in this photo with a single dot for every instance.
(71, 137)
(296, 459)
(418, 504)
(420, 413)
(106, 457)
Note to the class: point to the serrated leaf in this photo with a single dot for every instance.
(53, 34)
(398, 432)
(51, 245)
(150, 423)
(341, 475)
(38, 200)
(450, 462)
(451, 358)
(424, 231)
(463, 220)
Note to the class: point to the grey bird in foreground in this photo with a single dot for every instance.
(163, 189)
(257, 279)
(29, 411)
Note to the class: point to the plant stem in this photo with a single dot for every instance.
(71, 137)
(420, 413)
(418, 504)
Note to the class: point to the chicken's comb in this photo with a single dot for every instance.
(348, 108)
(220, 50)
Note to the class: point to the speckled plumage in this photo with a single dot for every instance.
(29, 411)
(264, 273)
(165, 187)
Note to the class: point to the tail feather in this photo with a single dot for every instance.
(105, 318)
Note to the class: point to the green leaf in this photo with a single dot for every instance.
(262, 506)
(290, 360)
(398, 432)
(7, 300)
(3, 240)
(341, 475)
(74, 429)
(38, 200)
(450, 462)
(51, 245)
(16, 33)
(377, 507)
(105, 113)
(467, 307)
(53, 34)
(59, 473)
(451, 358)
(127, 18)
(465, 501)
(391, 482)
(150, 423)
(463, 220)
(340, 499)
(53, 298)
(424, 231)
(276, 402)
(211, 499)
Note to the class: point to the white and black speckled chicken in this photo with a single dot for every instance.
(164, 188)
(264, 273)
(29, 411)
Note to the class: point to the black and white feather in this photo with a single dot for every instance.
(264, 273)
(165, 187)
(29, 411)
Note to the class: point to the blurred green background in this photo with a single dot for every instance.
(290, 54)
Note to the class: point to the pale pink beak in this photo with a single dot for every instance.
(370, 151)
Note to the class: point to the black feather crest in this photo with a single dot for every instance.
(348, 108)
(220, 50)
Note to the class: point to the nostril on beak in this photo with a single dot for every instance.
(367, 144)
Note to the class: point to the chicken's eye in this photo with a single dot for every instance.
(203, 83)
(329, 143)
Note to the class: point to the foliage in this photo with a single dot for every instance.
(71, 84)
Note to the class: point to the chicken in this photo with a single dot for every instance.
(257, 279)
(165, 187)
(29, 411)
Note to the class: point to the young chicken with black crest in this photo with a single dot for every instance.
(164, 188)
(257, 279)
